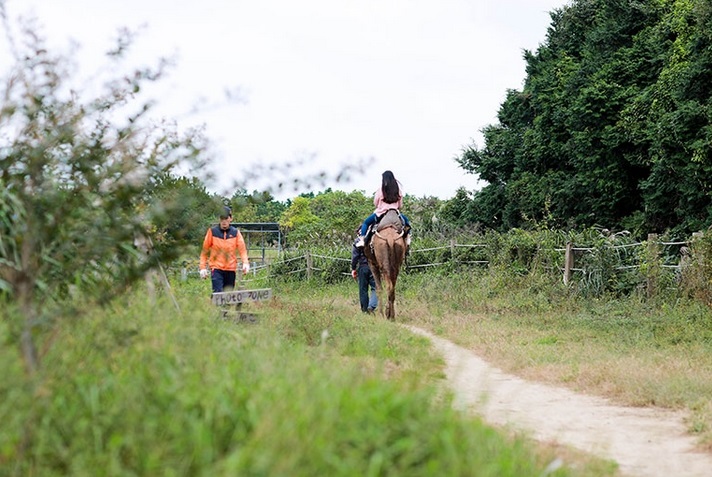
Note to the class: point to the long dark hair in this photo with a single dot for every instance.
(390, 188)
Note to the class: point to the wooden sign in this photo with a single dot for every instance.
(236, 297)
(239, 317)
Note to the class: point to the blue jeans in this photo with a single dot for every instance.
(366, 282)
(372, 218)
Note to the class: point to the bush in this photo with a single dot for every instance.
(696, 269)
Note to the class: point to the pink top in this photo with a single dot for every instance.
(381, 206)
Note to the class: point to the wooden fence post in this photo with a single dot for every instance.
(568, 262)
(653, 269)
(309, 265)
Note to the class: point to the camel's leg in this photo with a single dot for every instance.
(383, 304)
(377, 278)
(391, 311)
(395, 261)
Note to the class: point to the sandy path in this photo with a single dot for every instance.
(645, 442)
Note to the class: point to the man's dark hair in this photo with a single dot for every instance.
(225, 213)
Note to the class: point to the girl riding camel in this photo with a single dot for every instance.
(389, 196)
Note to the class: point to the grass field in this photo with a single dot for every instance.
(314, 388)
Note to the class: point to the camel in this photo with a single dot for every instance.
(385, 253)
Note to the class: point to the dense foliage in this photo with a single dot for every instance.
(613, 125)
(328, 218)
(82, 172)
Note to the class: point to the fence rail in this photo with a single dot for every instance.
(572, 255)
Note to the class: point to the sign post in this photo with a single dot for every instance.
(237, 298)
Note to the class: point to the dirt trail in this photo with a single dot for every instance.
(644, 442)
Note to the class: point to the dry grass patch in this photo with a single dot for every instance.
(632, 352)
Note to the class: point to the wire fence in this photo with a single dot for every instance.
(603, 262)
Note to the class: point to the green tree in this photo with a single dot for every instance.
(297, 221)
(77, 172)
(340, 213)
(328, 218)
(256, 207)
(423, 213)
(455, 210)
(192, 209)
(676, 114)
(612, 126)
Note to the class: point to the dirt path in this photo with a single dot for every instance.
(644, 442)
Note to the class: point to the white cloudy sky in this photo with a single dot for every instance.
(409, 83)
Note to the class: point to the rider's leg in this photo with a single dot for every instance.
(406, 222)
(361, 241)
(367, 223)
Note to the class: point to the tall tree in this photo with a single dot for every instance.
(75, 171)
(192, 208)
(256, 207)
(677, 109)
(612, 126)
(328, 218)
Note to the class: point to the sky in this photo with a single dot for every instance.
(400, 85)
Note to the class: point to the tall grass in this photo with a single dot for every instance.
(314, 388)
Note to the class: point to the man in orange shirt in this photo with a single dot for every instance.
(218, 258)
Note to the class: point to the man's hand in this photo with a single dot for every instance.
(204, 273)
(354, 274)
(245, 267)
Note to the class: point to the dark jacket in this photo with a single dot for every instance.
(358, 259)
